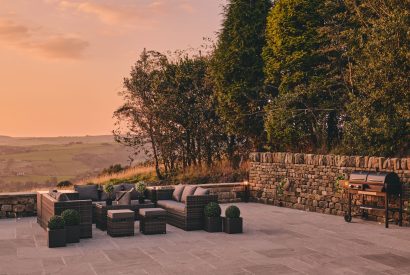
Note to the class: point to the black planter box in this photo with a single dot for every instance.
(56, 238)
(213, 224)
(72, 234)
(232, 225)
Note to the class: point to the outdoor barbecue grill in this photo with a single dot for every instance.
(374, 184)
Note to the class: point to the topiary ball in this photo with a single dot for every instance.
(71, 217)
(232, 212)
(212, 209)
(56, 222)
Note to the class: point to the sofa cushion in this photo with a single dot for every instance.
(201, 192)
(176, 195)
(58, 196)
(189, 190)
(87, 192)
(172, 205)
(124, 197)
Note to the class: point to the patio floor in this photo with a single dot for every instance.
(276, 241)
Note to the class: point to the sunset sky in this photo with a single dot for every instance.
(62, 62)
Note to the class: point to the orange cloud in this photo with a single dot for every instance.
(58, 46)
(120, 12)
(107, 13)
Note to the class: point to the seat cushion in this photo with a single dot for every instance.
(201, 192)
(152, 212)
(188, 191)
(120, 214)
(171, 205)
(87, 192)
(176, 195)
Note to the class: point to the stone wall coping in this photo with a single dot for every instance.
(17, 194)
(365, 162)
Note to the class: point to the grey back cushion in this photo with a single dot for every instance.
(201, 191)
(87, 192)
(58, 196)
(176, 195)
(124, 197)
(189, 190)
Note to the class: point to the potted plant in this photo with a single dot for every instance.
(56, 232)
(232, 223)
(141, 186)
(109, 189)
(72, 225)
(213, 220)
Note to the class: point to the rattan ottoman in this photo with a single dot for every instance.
(153, 221)
(120, 223)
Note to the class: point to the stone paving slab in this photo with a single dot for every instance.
(275, 241)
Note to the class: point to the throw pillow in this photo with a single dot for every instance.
(124, 197)
(189, 190)
(87, 192)
(201, 192)
(176, 195)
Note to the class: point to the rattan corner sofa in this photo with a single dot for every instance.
(47, 206)
(187, 215)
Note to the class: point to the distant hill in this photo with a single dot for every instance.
(38, 163)
(29, 141)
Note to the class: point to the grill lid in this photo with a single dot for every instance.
(358, 176)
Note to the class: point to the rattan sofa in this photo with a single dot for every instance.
(187, 216)
(48, 206)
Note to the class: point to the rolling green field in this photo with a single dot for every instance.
(39, 163)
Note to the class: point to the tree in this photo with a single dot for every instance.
(137, 124)
(237, 69)
(378, 112)
(169, 105)
(303, 66)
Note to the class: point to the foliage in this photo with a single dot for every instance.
(212, 209)
(56, 222)
(337, 187)
(113, 169)
(71, 217)
(64, 183)
(303, 68)
(232, 212)
(237, 69)
(378, 109)
(109, 187)
(169, 106)
(141, 186)
(280, 187)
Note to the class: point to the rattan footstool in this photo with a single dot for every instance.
(153, 221)
(120, 223)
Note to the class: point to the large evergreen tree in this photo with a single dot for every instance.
(303, 66)
(378, 111)
(237, 69)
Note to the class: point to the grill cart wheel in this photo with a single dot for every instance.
(365, 216)
(348, 218)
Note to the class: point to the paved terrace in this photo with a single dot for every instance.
(276, 241)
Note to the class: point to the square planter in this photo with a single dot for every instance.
(213, 224)
(56, 238)
(72, 234)
(232, 225)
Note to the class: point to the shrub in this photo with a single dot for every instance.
(109, 187)
(232, 212)
(64, 183)
(141, 186)
(71, 217)
(212, 209)
(56, 222)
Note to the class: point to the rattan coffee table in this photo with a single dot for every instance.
(153, 221)
(101, 211)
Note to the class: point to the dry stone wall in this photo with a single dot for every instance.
(309, 181)
(17, 205)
